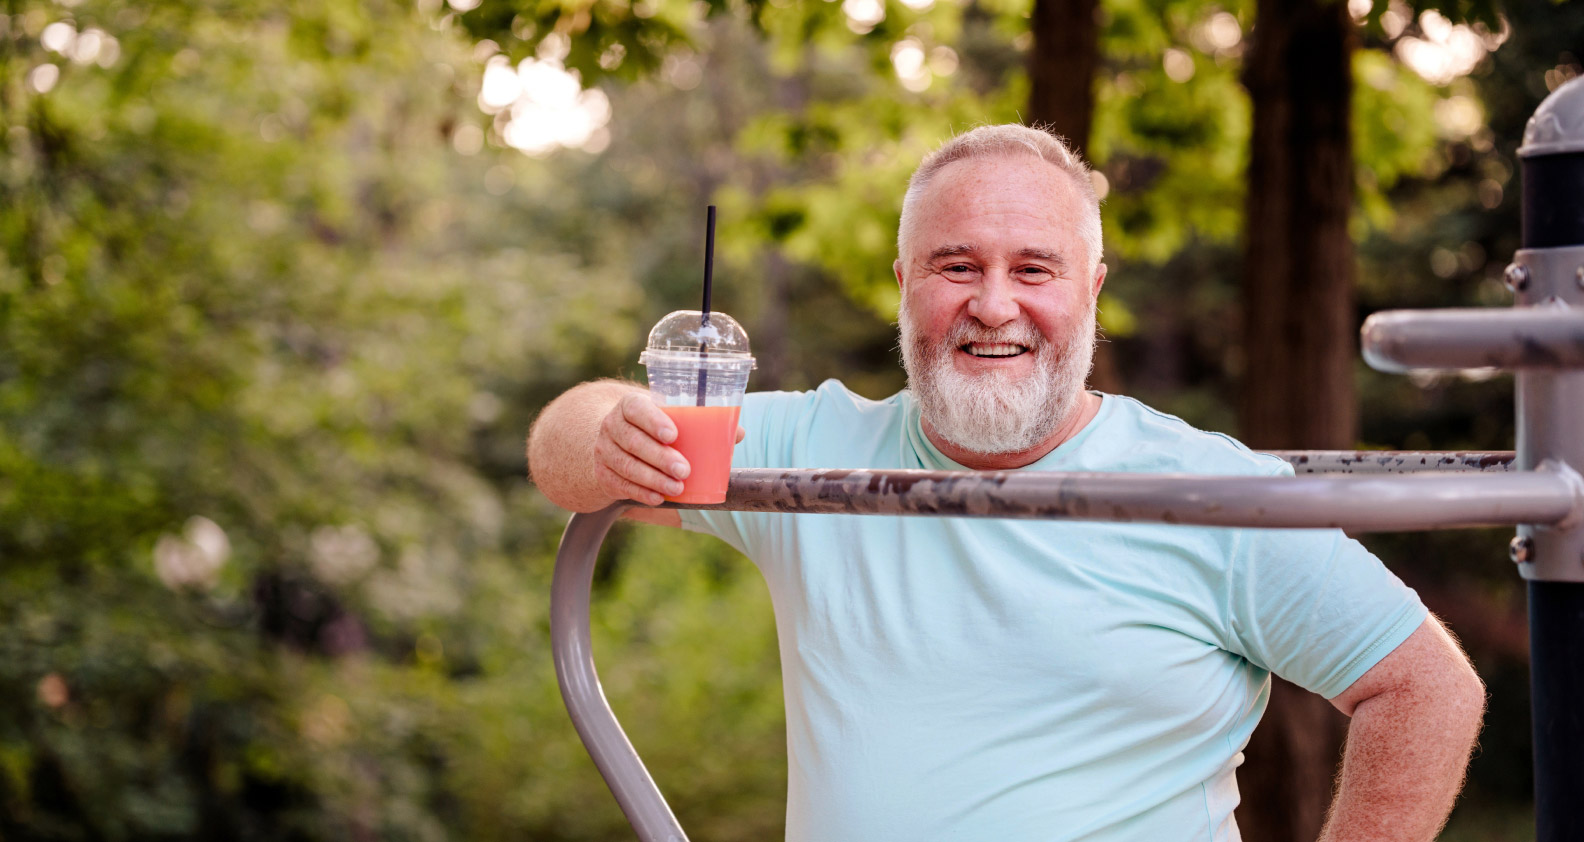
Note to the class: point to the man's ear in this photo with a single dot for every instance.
(1099, 281)
(896, 269)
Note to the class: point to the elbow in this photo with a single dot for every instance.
(555, 477)
(1470, 696)
(543, 476)
(1460, 691)
(542, 469)
(1458, 700)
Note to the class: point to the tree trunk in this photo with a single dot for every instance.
(1061, 69)
(1298, 331)
(1298, 343)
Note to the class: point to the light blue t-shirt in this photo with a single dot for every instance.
(955, 679)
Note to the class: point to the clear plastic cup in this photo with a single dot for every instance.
(698, 370)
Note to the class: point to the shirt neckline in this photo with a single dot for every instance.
(931, 458)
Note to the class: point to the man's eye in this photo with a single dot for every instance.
(1034, 273)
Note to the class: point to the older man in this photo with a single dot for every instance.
(1016, 680)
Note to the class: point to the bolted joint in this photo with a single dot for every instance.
(1516, 277)
(1521, 549)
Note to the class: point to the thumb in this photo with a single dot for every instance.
(741, 434)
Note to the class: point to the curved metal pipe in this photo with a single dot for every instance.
(613, 753)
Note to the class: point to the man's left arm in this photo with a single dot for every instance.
(1415, 716)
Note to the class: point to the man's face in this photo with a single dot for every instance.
(997, 316)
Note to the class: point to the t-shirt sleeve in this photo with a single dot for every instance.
(765, 418)
(1315, 607)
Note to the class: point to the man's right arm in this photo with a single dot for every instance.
(606, 441)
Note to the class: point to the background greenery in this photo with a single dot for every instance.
(273, 324)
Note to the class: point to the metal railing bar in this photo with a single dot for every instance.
(1521, 338)
(1550, 496)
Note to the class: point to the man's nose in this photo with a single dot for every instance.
(994, 303)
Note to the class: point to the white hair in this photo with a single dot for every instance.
(1002, 140)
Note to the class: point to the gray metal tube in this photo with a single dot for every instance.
(1396, 461)
(1550, 496)
(613, 753)
(1541, 337)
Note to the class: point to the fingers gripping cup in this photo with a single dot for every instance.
(698, 366)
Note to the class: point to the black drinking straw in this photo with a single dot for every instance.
(709, 281)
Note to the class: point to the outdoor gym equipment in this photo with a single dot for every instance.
(1538, 489)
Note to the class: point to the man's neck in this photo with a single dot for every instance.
(1082, 413)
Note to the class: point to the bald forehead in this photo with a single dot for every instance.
(1013, 194)
(1027, 171)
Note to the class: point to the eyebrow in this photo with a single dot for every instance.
(1027, 253)
(951, 251)
(1043, 254)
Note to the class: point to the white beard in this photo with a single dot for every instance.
(994, 412)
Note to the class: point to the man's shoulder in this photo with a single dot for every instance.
(831, 400)
(828, 426)
(1162, 442)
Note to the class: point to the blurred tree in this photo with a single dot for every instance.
(272, 319)
(1298, 267)
(1062, 62)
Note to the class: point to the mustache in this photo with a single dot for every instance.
(1015, 333)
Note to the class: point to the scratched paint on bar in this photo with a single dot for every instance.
(1396, 461)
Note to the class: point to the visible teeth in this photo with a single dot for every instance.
(999, 349)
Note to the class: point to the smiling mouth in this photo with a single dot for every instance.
(993, 350)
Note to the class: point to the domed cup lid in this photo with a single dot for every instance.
(689, 336)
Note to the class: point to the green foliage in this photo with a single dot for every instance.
(821, 165)
(250, 289)
(1487, 12)
(1394, 130)
(601, 39)
(1173, 152)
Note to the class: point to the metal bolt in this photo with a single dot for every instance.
(1516, 277)
(1521, 549)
